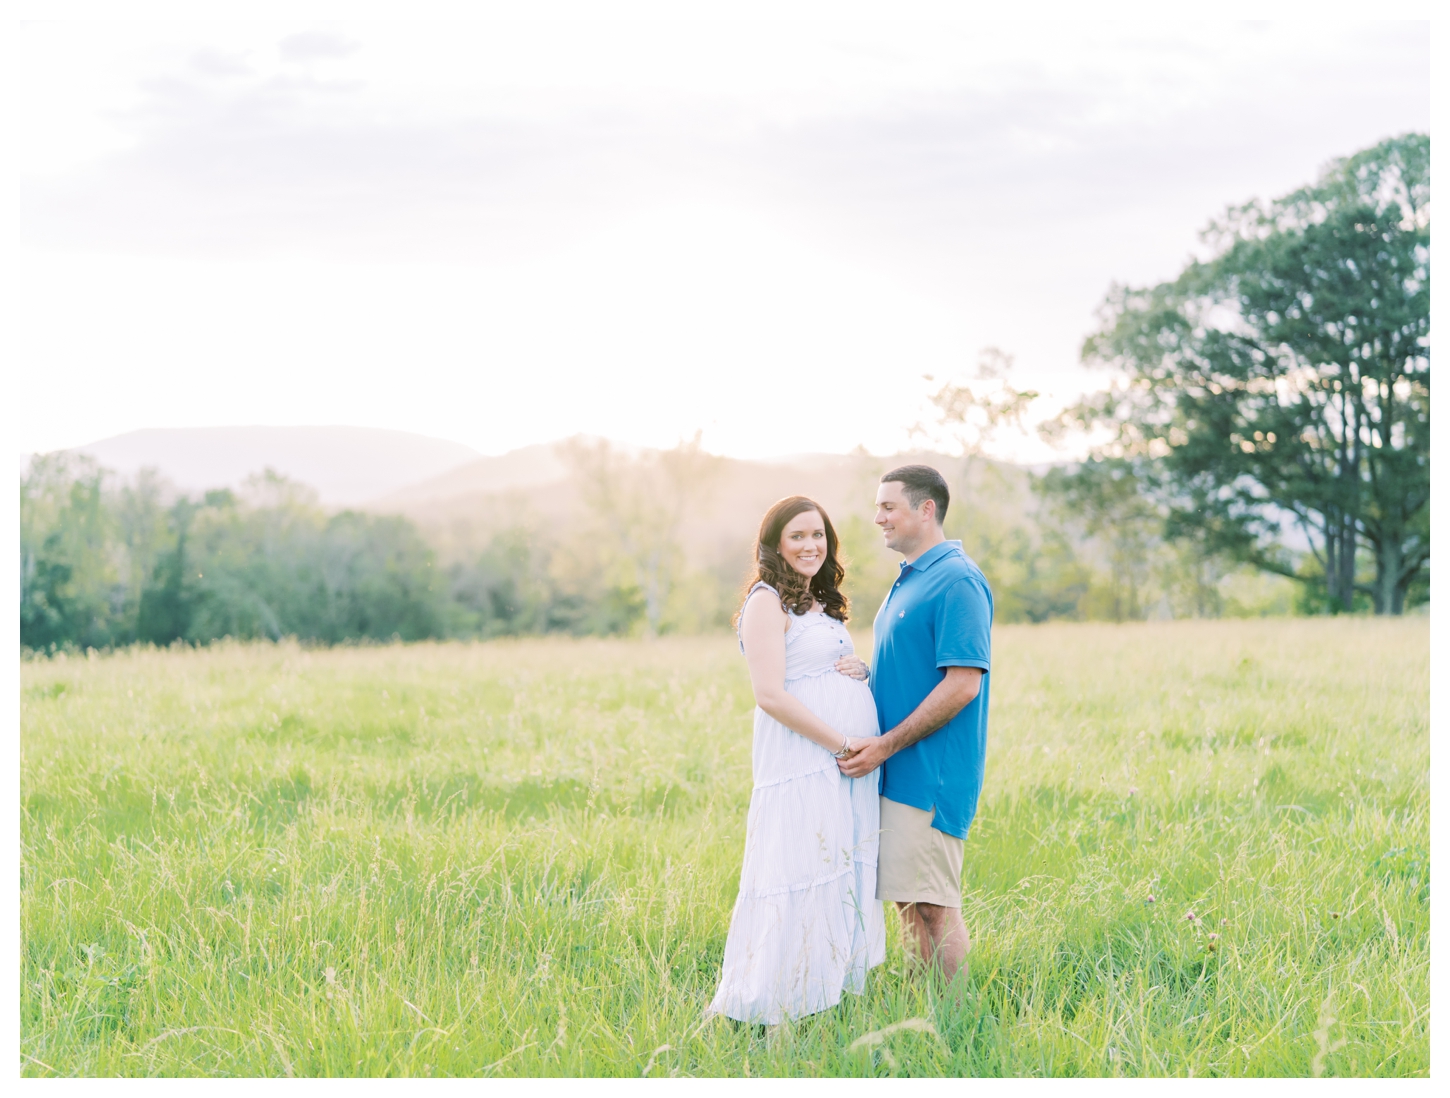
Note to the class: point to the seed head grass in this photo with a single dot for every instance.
(519, 858)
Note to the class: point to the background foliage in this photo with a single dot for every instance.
(107, 563)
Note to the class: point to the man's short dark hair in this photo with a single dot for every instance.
(921, 482)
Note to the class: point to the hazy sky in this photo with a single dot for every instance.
(503, 233)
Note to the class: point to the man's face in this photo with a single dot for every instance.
(903, 527)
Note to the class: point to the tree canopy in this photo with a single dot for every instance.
(1284, 383)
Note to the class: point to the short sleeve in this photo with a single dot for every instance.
(964, 626)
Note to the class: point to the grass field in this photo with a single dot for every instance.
(518, 858)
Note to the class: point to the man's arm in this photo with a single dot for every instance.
(954, 693)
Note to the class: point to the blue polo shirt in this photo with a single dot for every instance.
(937, 615)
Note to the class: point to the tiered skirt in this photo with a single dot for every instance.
(806, 925)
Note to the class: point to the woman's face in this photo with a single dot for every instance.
(803, 542)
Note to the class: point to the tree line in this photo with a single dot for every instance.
(107, 562)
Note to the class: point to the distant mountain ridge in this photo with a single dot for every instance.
(527, 467)
(461, 510)
(346, 465)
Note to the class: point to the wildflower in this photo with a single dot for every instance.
(1190, 917)
(1213, 937)
(1132, 789)
(1223, 923)
(1150, 899)
(1334, 914)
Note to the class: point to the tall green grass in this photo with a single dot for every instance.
(518, 858)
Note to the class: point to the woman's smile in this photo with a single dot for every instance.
(803, 543)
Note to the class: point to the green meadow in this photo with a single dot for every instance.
(1202, 849)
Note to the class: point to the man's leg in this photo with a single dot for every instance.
(918, 938)
(938, 934)
(917, 860)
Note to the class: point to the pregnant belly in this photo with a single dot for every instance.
(779, 754)
(842, 702)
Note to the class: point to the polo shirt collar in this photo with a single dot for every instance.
(932, 555)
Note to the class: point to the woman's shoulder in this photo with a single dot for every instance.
(762, 596)
(763, 592)
(760, 585)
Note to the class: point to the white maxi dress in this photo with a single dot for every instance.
(807, 924)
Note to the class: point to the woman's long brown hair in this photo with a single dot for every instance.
(797, 591)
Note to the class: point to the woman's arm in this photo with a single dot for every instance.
(762, 630)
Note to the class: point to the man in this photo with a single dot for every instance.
(929, 675)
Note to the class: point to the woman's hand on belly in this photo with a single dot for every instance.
(853, 667)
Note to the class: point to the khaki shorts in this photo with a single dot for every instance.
(917, 863)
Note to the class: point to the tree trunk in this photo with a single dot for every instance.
(1389, 586)
(1331, 565)
(653, 597)
(1401, 590)
(1340, 544)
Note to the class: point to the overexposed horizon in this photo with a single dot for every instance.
(909, 446)
(506, 233)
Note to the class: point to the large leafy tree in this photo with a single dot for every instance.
(1286, 381)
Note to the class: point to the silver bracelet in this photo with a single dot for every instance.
(845, 747)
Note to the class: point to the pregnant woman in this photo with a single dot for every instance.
(806, 924)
